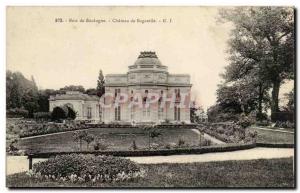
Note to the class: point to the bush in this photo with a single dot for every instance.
(71, 113)
(261, 117)
(285, 124)
(282, 116)
(17, 112)
(84, 168)
(42, 115)
(133, 145)
(245, 121)
(181, 142)
(59, 113)
(100, 145)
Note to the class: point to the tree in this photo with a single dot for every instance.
(88, 138)
(73, 88)
(196, 113)
(290, 106)
(152, 133)
(91, 91)
(59, 113)
(71, 113)
(100, 84)
(79, 136)
(262, 43)
(21, 92)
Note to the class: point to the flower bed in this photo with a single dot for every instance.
(229, 132)
(84, 168)
(35, 128)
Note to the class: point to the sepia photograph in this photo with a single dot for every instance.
(150, 97)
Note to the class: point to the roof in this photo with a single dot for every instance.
(147, 58)
(74, 96)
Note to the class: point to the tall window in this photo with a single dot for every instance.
(89, 112)
(117, 92)
(132, 113)
(100, 112)
(160, 110)
(118, 113)
(177, 93)
(176, 113)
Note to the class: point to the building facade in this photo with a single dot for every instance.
(86, 106)
(146, 79)
(147, 93)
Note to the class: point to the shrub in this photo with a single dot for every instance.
(282, 116)
(84, 168)
(59, 113)
(285, 124)
(261, 117)
(181, 142)
(100, 145)
(245, 121)
(42, 115)
(71, 113)
(154, 146)
(17, 112)
(133, 145)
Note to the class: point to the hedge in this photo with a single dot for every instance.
(282, 116)
(276, 145)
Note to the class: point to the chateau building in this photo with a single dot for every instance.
(147, 93)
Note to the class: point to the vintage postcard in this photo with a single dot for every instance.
(150, 97)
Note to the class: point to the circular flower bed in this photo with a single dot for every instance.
(84, 168)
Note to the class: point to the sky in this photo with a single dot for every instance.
(56, 54)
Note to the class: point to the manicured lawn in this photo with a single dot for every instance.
(264, 136)
(114, 138)
(253, 173)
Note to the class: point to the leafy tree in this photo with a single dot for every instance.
(91, 91)
(262, 46)
(196, 113)
(100, 84)
(88, 138)
(290, 106)
(71, 113)
(152, 133)
(73, 88)
(79, 136)
(21, 92)
(59, 113)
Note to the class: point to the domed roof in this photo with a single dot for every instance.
(147, 58)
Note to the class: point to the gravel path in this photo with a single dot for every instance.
(250, 154)
(209, 137)
(275, 130)
(16, 164)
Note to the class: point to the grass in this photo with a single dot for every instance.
(252, 173)
(114, 138)
(264, 136)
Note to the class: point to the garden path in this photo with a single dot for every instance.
(209, 137)
(16, 164)
(249, 154)
(275, 130)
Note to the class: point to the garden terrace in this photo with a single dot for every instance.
(35, 128)
(113, 139)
